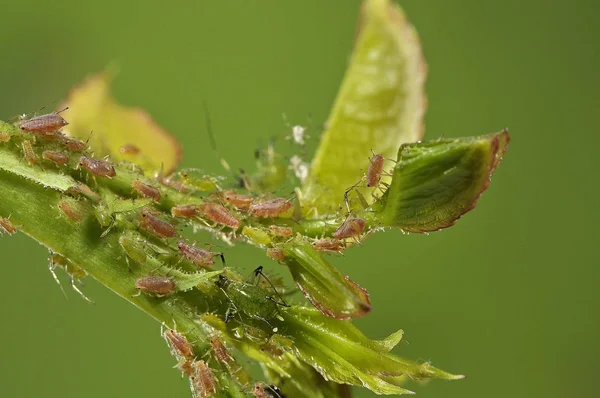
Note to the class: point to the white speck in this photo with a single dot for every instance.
(298, 134)
(299, 167)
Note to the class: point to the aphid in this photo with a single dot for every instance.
(261, 390)
(197, 255)
(220, 215)
(270, 208)
(350, 228)
(74, 272)
(86, 191)
(238, 200)
(133, 248)
(221, 353)
(250, 300)
(43, 123)
(199, 179)
(54, 136)
(74, 145)
(271, 170)
(276, 253)
(203, 380)
(186, 211)
(30, 155)
(156, 226)
(159, 285)
(258, 236)
(72, 209)
(277, 345)
(277, 230)
(57, 157)
(129, 150)
(375, 169)
(328, 245)
(6, 227)
(180, 347)
(100, 168)
(4, 137)
(146, 190)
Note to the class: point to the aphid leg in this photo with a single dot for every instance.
(258, 272)
(52, 267)
(128, 265)
(273, 328)
(222, 259)
(74, 286)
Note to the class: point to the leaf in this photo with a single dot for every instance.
(379, 106)
(333, 294)
(436, 182)
(92, 108)
(341, 353)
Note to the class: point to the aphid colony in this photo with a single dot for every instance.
(203, 382)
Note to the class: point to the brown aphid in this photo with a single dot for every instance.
(350, 228)
(129, 150)
(270, 208)
(100, 168)
(6, 227)
(159, 285)
(203, 380)
(221, 353)
(146, 190)
(197, 255)
(74, 145)
(54, 136)
(186, 211)
(276, 253)
(219, 214)
(277, 230)
(30, 155)
(71, 209)
(238, 200)
(375, 169)
(57, 157)
(156, 226)
(43, 123)
(328, 245)
(180, 347)
(4, 137)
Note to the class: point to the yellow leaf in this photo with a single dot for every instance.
(123, 133)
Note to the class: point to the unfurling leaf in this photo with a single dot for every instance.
(379, 106)
(341, 353)
(123, 133)
(436, 182)
(322, 284)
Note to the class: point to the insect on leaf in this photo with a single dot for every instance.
(92, 108)
(436, 182)
(379, 107)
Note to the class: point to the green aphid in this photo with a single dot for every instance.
(103, 214)
(271, 171)
(251, 300)
(258, 236)
(133, 245)
(198, 179)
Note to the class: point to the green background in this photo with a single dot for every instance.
(509, 296)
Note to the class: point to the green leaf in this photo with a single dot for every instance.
(436, 182)
(379, 106)
(92, 108)
(332, 293)
(341, 353)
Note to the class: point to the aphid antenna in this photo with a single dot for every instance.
(213, 142)
(258, 272)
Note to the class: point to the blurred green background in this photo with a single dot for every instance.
(509, 296)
